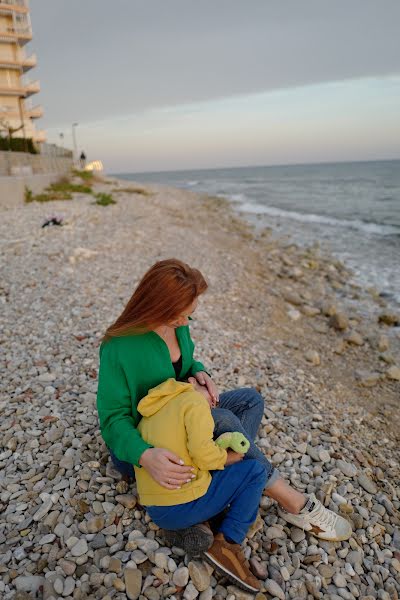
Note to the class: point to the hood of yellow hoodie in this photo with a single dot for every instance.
(160, 395)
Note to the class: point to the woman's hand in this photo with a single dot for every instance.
(233, 457)
(204, 379)
(166, 468)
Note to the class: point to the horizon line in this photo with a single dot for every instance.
(257, 166)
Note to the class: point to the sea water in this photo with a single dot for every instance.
(351, 209)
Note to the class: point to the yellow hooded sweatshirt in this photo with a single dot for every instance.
(178, 418)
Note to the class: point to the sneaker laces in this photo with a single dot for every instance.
(324, 516)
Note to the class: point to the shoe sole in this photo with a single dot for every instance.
(340, 538)
(193, 540)
(232, 578)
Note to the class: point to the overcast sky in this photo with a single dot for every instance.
(170, 84)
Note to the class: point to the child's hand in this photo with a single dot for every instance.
(233, 457)
(202, 389)
(212, 402)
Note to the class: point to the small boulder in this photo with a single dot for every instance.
(367, 484)
(181, 577)
(294, 314)
(346, 468)
(312, 357)
(274, 589)
(354, 338)
(275, 533)
(199, 575)
(310, 311)
(95, 525)
(297, 535)
(393, 373)
(114, 565)
(324, 455)
(387, 358)
(133, 583)
(258, 568)
(367, 378)
(29, 583)
(329, 309)
(389, 319)
(383, 343)
(79, 548)
(339, 321)
(127, 500)
(292, 298)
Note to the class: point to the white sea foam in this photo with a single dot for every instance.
(353, 208)
(373, 228)
(239, 198)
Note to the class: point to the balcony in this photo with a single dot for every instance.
(31, 87)
(12, 112)
(20, 35)
(34, 113)
(28, 62)
(18, 6)
(19, 63)
(23, 90)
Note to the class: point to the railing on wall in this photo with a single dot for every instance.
(22, 3)
(20, 30)
(47, 149)
(17, 164)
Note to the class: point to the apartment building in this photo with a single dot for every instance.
(16, 88)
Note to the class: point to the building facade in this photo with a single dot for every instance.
(16, 88)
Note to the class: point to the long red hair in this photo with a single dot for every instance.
(164, 292)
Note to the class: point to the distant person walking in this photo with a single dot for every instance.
(82, 160)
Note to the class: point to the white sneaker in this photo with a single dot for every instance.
(319, 521)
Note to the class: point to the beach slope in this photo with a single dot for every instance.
(285, 320)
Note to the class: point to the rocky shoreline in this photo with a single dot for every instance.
(277, 317)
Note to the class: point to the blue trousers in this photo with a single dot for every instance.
(238, 410)
(238, 488)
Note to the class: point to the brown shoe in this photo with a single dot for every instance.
(229, 560)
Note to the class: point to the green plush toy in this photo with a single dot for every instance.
(234, 440)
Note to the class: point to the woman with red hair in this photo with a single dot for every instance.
(149, 343)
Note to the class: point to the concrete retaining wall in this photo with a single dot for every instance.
(14, 164)
(36, 171)
(12, 189)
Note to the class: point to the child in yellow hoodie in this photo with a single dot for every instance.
(177, 416)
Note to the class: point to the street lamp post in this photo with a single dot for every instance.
(74, 125)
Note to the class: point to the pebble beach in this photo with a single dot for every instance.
(289, 321)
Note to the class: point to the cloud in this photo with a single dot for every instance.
(99, 59)
(344, 120)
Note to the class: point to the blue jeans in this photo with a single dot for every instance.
(238, 410)
(242, 410)
(237, 488)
